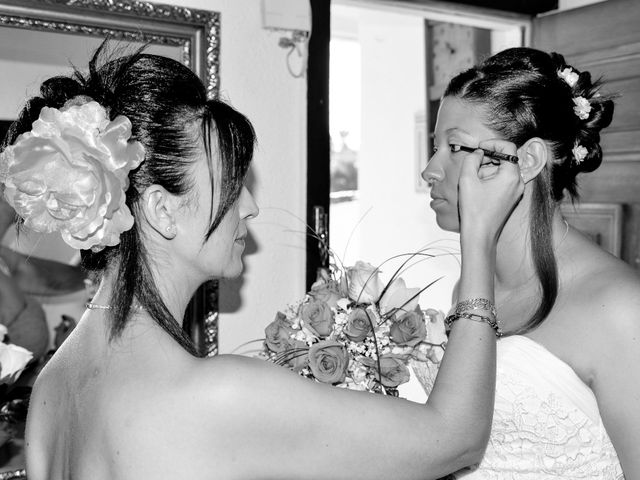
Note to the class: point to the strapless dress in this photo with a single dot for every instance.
(546, 422)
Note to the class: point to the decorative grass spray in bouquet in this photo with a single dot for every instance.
(354, 331)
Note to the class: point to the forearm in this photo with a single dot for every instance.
(464, 389)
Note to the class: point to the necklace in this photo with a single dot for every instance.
(97, 306)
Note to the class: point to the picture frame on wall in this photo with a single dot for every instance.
(602, 222)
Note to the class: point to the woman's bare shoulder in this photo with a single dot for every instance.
(610, 290)
(193, 420)
(602, 310)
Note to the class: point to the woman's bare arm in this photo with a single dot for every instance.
(279, 425)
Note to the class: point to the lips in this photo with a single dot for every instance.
(436, 200)
(241, 238)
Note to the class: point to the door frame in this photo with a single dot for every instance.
(318, 138)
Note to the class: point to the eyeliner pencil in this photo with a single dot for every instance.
(502, 157)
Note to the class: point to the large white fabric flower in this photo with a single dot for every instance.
(70, 172)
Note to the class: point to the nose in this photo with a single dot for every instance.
(248, 206)
(433, 172)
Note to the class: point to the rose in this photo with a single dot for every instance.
(358, 325)
(399, 297)
(364, 283)
(317, 317)
(409, 329)
(70, 172)
(393, 369)
(13, 360)
(327, 291)
(296, 355)
(328, 360)
(278, 334)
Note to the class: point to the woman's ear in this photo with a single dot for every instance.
(534, 155)
(160, 208)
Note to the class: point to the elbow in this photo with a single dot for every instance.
(472, 448)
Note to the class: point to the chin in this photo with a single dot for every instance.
(233, 271)
(448, 223)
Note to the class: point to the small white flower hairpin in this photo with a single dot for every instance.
(582, 107)
(579, 153)
(569, 76)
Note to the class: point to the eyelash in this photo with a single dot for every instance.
(453, 148)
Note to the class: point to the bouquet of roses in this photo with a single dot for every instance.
(354, 331)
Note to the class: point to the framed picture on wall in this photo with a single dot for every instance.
(602, 222)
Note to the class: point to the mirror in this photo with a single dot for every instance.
(43, 38)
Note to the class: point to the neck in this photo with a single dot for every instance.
(175, 298)
(514, 264)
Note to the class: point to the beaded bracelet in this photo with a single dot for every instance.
(491, 321)
(476, 304)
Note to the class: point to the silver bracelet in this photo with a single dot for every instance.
(476, 304)
(491, 321)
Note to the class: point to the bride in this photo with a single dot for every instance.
(136, 168)
(568, 381)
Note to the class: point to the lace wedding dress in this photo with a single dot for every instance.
(546, 423)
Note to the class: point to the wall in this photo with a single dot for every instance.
(603, 38)
(255, 80)
(569, 4)
(394, 215)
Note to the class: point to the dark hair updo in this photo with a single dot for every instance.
(524, 96)
(164, 100)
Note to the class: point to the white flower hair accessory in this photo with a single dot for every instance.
(579, 153)
(569, 76)
(582, 107)
(70, 174)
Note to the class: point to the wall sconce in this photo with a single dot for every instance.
(293, 17)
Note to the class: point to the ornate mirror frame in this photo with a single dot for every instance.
(196, 32)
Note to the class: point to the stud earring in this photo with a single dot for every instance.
(170, 231)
